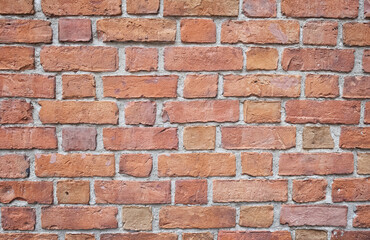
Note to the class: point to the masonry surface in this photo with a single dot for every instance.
(185, 119)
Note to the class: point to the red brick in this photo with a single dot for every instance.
(367, 113)
(74, 30)
(330, 112)
(25, 31)
(28, 236)
(73, 112)
(79, 236)
(198, 31)
(140, 113)
(140, 86)
(16, 7)
(256, 235)
(260, 31)
(199, 137)
(196, 165)
(291, 164)
(256, 164)
(81, 7)
(356, 87)
(250, 191)
(18, 218)
(258, 137)
(197, 236)
(17, 58)
(142, 6)
(28, 138)
(30, 192)
(318, 59)
(138, 236)
(355, 137)
(206, 217)
(262, 112)
(79, 58)
(350, 235)
(259, 8)
(74, 165)
(356, 34)
(203, 58)
(133, 192)
(27, 85)
(367, 11)
(362, 219)
(201, 8)
(191, 191)
(136, 30)
(310, 190)
(74, 218)
(206, 111)
(15, 111)
(137, 165)
(14, 166)
(259, 58)
(200, 86)
(132, 138)
(256, 216)
(262, 85)
(78, 86)
(73, 192)
(351, 190)
(313, 215)
(322, 86)
(79, 138)
(141, 59)
(320, 33)
(366, 60)
(320, 8)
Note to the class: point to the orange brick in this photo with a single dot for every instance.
(256, 216)
(277, 235)
(78, 86)
(366, 61)
(25, 31)
(356, 87)
(142, 6)
(356, 34)
(363, 163)
(320, 33)
(138, 236)
(71, 236)
(310, 190)
(73, 192)
(14, 166)
(199, 137)
(262, 112)
(350, 235)
(140, 113)
(362, 219)
(262, 58)
(141, 59)
(197, 236)
(325, 86)
(201, 8)
(200, 86)
(31, 192)
(15, 111)
(257, 164)
(351, 190)
(259, 8)
(355, 137)
(137, 165)
(198, 31)
(16, 7)
(191, 191)
(17, 58)
(18, 218)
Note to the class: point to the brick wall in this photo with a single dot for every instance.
(185, 119)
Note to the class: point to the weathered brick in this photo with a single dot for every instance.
(142, 6)
(138, 236)
(140, 113)
(14, 166)
(79, 58)
(317, 137)
(356, 34)
(322, 86)
(203, 58)
(259, 58)
(319, 8)
(196, 164)
(28, 236)
(262, 85)
(366, 60)
(201, 8)
(15, 111)
(133, 192)
(200, 86)
(137, 218)
(28, 138)
(18, 218)
(25, 31)
(75, 218)
(311, 234)
(291, 164)
(236, 235)
(355, 137)
(206, 111)
(250, 190)
(132, 138)
(362, 219)
(260, 31)
(351, 190)
(27, 85)
(363, 163)
(78, 138)
(197, 236)
(78, 86)
(258, 137)
(198, 31)
(81, 7)
(356, 87)
(207, 217)
(367, 113)
(31, 192)
(17, 58)
(262, 112)
(141, 59)
(318, 59)
(82, 236)
(310, 190)
(259, 8)
(73, 192)
(137, 165)
(74, 30)
(74, 165)
(16, 7)
(191, 191)
(350, 235)
(320, 33)
(256, 164)
(313, 215)
(367, 11)
(256, 216)
(199, 137)
(136, 30)
(140, 86)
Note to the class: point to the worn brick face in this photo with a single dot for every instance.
(17, 58)
(14, 166)
(74, 30)
(25, 31)
(18, 218)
